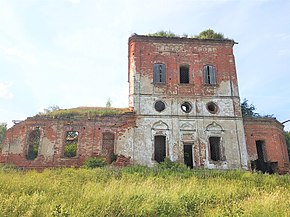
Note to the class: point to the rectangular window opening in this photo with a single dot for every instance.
(184, 74)
(215, 148)
(33, 144)
(71, 144)
(159, 71)
(209, 74)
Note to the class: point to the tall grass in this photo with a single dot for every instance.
(142, 191)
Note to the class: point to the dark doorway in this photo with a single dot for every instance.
(187, 151)
(260, 163)
(215, 149)
(159, 148)
(108, 146)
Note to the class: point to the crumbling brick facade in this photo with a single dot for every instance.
(185, 106)
(194, 83)
(91, 137)
(266, 144)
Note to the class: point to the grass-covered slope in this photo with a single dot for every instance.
(84, 112)
(140, 191)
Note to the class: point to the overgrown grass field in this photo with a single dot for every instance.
(141, 191)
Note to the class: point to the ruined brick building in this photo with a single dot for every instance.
(184, 104)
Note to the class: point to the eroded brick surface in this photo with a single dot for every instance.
(270, 132)
(52, 139)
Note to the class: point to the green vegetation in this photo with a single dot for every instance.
(84, 112)
(248, 110)
(109, 103)
(33, 144)
(206, 34)
(94, 162)
(163, 33)
(142, 191)
(209, 34)
(70, 150)
(287, 137)
(33, 152)
(3, 129)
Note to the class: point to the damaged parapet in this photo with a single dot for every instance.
(68, 137)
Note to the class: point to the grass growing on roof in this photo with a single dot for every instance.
(86, 112)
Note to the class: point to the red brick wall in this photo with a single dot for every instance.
(53, 133)
(271, 132)
(145, 51)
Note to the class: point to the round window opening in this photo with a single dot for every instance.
(212, 107)
(159, 106)
(186, 107)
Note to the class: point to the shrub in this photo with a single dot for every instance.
(70, 150)
(168, 164)
(163, 33)
(94, 162)
(8, 167)
(210, 34)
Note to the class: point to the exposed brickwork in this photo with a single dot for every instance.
(52, 140)
(271, 132)
(196, 126)
(145, 51)
(122, 161)
(130, 133)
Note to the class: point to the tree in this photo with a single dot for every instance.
(51, 109)
(163, 33)
(3, 129)
(210, 34)
(287, 138)
(248, 110)
(109, 103)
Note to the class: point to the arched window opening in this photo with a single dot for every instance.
(33, 144)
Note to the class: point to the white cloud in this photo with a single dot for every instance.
(4, 90)
(19, 54)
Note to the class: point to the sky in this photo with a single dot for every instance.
(72, 53)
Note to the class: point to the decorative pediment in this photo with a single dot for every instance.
(187, 127)
(214, 127)
(160, 125)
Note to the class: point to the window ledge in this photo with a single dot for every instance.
(159, 84)
(69, 158)
(211, 85)
(186, 84)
